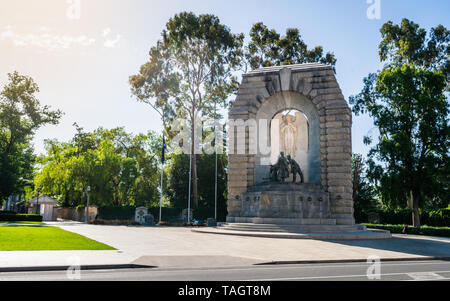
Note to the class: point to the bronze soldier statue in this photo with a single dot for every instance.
(280, 171)
(282, 168)
(295, 169)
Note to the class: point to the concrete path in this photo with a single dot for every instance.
(180, 247)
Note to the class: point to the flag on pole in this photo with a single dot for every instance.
(163, 151)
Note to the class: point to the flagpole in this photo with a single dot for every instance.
(163, 152)
(215, 148)
(162, 177)
(190, 175)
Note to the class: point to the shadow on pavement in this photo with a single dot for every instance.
(415, 246)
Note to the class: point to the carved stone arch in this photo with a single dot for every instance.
(316, 85)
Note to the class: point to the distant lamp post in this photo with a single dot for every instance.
(38, 189)
(86, 217)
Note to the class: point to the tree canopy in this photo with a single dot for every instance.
(268, 48)
(120, 168)
(190, 73)
(409, 105)
(21, 114)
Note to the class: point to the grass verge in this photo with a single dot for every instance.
(21, 222)
(22, 238)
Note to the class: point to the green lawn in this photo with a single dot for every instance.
(21, 238)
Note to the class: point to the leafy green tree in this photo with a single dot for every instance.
(158, 85)
(191, 69)
(267, 48)
(409, 105)
(407, 43)
(120, 168)
(21, 114)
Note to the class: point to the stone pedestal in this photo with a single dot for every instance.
(275, 203)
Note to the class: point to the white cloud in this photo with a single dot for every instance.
(111, 43)
(106, 32)
(45, 38)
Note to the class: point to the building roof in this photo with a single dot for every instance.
(43, 199)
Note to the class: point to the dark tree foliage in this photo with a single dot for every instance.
(178, 182)
(363, 193)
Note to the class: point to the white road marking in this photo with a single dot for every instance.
(341, 276)
(424, 276)
(297, 266)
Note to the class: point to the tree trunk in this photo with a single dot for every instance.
(415, 213)
(194, 166)
(194, 180)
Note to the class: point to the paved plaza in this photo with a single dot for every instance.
(182, 248)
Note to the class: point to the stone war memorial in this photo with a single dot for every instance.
(290, 152)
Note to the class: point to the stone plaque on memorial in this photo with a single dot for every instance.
(140, 215)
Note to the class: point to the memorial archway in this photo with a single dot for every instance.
(313, 90)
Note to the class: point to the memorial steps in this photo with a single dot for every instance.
(318, 232)
(292, 228)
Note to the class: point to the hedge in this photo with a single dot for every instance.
(424, 230)
(168, 214)
(435, 218)
(21, 217)
(440, 218)
(116, 213)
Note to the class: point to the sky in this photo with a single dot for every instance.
(82, 52)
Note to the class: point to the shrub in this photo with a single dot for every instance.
(440, 217)
(396, 217)
(21, 217)
(97, 222)
(436, 218)
(116, 213)
(204, 213)
(424, 230)
(115, 222)
(167, 213)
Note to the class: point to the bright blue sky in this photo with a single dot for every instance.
(82, 65)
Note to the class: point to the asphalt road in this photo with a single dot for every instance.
(388, 271)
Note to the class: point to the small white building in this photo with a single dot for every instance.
(47, 207)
